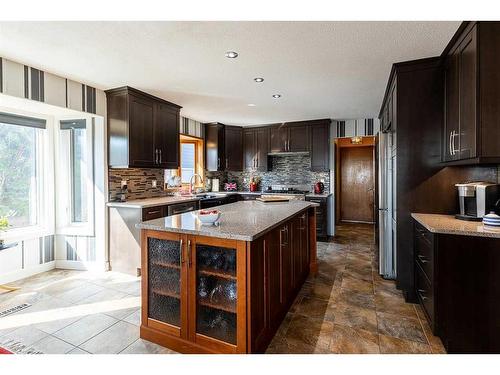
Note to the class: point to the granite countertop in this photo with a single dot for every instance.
(323, 195)
(245, 220)
(171, 199)
(151, 202)
(447, 224)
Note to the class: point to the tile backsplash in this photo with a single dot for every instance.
(139, 182)
(285, 170)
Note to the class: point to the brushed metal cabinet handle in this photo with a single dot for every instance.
(420, 292)
(422, 259)
(160, 156)
(153, 212)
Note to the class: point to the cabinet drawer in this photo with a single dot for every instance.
(425, 294)
(151, 213)
(424, 256)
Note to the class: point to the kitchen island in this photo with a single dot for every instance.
(225, 288)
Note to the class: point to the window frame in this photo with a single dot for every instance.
(64, 204)
(44, 180)
(199, 160)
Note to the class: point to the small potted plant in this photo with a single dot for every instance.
(4, 224)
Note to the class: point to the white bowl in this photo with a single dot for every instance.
(208, 218)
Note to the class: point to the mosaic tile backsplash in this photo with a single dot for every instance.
(285, 170)
(139, 182)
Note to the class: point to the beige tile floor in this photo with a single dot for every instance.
(347, 308)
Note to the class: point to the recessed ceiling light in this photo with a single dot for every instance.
(258, 79)
(251, 105)
(231, 54)
(276, 96)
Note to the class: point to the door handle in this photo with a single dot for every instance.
(156, 156)
(160, 156)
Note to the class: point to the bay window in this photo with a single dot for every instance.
(23, 172)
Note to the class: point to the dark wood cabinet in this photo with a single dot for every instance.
(278, 138)
(472, 84)
(321, 215)
(223, 147)
(255, 148)
(214, 147)
(290, 137)
(143, 131)
(142, 148)
(320, 146)
(299, 138)
(233, 143)
(457, 283)
(166, 140)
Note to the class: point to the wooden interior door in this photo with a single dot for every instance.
(357, 184)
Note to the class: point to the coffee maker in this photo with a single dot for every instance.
(476, 199)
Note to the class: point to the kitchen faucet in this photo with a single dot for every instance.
(192, 182)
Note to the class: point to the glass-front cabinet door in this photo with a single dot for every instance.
(167, 283)
(216, 292)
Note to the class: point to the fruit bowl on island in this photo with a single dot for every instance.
(208, 216)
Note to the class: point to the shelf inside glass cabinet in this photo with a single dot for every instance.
(216, 289)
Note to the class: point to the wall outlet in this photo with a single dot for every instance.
(154, 183)
(123, 184)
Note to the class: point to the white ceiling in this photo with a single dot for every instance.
(322, 69)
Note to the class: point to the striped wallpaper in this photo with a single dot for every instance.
(192, 127)
(27, 82)
(352, 128)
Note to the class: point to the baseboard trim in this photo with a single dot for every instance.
(80, 265)
(23, 273)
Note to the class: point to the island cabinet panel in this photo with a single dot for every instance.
(204, 294)
(164, 296)
(276, 271)
(217, 293)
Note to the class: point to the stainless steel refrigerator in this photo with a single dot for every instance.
(387, 204)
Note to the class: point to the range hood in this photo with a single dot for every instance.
(288, 153)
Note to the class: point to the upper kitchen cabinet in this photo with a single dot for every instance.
(290, 137)
(233, 144)
(143, 130)
(320, 147)
(223, 147)
(255, 148)
(472, 93)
